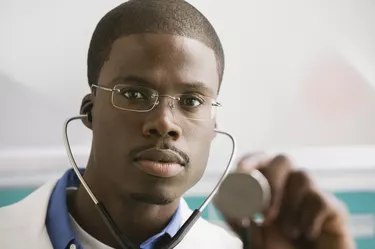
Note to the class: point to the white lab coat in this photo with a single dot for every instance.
(22, 225)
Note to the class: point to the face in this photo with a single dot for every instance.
(171, 65)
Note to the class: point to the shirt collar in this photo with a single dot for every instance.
(58, 222)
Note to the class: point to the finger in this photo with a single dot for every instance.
(276, 172)
(314, 212)
(273, 238)
(235, 224)
(297, 185)
(255, 235)
(335, 231)
(247, 230)
(252, 161)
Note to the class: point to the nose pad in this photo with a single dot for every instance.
(171, 103)
(162, 122)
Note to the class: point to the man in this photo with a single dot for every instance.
(155, 69)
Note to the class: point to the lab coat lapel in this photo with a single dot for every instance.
(24, 222)
(193, 236)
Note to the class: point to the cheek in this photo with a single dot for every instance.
(200, 133)
(199, 139)
(114, 131)
(199, 155)
(111, 122)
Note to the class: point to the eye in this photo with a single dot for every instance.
(191, 100)
(133, 94)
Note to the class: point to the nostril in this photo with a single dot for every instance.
(173, 134)
(156, 133)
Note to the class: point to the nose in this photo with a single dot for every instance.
(161, 123)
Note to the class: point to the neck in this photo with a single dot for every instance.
(136, 220)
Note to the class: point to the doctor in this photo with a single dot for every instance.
(155, 69)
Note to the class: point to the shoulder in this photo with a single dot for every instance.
(34, 203)
(25, 219)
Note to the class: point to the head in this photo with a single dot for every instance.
(167, 46)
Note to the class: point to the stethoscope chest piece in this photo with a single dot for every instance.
(242, 196)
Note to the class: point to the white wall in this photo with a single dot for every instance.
(277, 53)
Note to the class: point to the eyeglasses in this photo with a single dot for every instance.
(143, 99)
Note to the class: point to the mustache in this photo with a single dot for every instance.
(160, 146)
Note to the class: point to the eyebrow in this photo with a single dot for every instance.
(134, 79)
(189, 86)
(198, 86)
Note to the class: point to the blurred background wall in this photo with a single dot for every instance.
(299, 79)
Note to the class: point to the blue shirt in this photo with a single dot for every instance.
(59, 225)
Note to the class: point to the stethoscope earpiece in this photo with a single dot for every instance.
(89, 116)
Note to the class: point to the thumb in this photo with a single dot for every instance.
(248, 231)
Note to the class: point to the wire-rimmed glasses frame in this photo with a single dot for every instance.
(153, 100)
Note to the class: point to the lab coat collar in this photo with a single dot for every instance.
(31, 221)
(23, 225)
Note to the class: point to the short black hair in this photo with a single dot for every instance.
(176, 17)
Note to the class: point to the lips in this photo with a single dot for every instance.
(159, 162)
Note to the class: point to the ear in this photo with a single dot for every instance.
(86, 108)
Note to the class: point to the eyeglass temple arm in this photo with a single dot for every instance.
(102, 87)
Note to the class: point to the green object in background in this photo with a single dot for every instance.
(357, 203)
(12, 195)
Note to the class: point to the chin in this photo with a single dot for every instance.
(154, 198)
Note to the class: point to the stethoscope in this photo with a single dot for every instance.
(120, 238)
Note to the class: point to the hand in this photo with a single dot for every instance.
(300, 216)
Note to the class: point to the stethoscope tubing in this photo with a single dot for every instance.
(121, 239)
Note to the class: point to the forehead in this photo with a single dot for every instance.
(162, 61)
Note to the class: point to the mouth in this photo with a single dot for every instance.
(159, 162)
